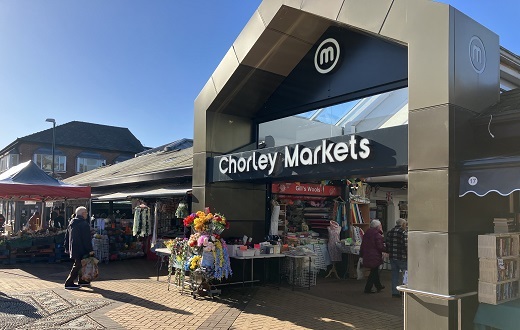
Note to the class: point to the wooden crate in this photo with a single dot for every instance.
(493, 246)
(494, 294)
(491, 272)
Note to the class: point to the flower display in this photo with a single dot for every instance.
(208, 250)
(206, 222)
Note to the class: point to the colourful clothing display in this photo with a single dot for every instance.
(334, 230)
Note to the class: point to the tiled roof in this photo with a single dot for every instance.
(157, 162)
(509, 103)
(179, 144)
(89, 136)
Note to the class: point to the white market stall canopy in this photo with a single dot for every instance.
(157, 192)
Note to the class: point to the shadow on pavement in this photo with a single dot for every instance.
(13, 306)
(134, 300)
(311, 312)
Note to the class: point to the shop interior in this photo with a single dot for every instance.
(329, 217)
(128, 228)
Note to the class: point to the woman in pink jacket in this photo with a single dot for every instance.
(372, 248)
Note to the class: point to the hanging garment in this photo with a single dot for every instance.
(142, 224)
(334, 230)
(137, 219)
(344, 217)
(182, 211)
(275, 216)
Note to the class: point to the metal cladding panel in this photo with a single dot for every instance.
(227, 132)
(388, 155)
(225, 69)
(225, 200)
(430, 126)
(364, 63)
(428, 260)
(249, 36)
(355, 12)
(428, 200)
(430, 55)
(268, 9)
(330, 10)
(396, 25)
(282, 59)
(446, 136)
(198, 198)
(199, 168)
(246, 91)
(427, 313)
(300, 25)
(206, 96)
(463, 261)
(477, 64)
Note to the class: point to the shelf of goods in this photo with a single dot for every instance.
(123, 245)
(33, 249)
(317, 217)
(359, 218)
(498, 268)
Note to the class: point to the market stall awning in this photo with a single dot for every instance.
(112, 197)
(161, 192)
(26, 182)
(482, 176)
(145, 193)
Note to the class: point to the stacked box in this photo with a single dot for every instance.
(498, 268)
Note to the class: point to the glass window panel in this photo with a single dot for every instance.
(45, 162)
(87, 164)
(375, 112)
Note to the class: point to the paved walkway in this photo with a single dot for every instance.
(127, 296)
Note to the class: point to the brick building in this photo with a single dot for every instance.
(79, 147)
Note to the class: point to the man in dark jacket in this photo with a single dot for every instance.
(397, 246)
(78, 243)
(371, 250)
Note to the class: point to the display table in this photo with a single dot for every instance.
(253, 258)
(162, 255)
(504, 316)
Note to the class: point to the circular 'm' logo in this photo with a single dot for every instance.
(473, 181)
(477, 54)
(326, 56)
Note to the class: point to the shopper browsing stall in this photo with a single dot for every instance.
(372, 248)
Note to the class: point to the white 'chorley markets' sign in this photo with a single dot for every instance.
(294, 156)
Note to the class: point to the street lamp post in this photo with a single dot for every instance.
(51, 120)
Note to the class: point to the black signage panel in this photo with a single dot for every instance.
(343, 65)
(378, 152)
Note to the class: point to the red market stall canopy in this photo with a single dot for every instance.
(28, 182)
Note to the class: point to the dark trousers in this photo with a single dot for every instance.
(373, 280)
(74, 272)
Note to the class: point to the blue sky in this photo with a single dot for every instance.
(136, 64)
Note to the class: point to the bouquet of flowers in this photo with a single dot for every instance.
(210, 253)
(206, 222)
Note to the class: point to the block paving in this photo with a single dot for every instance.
(128, 296)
